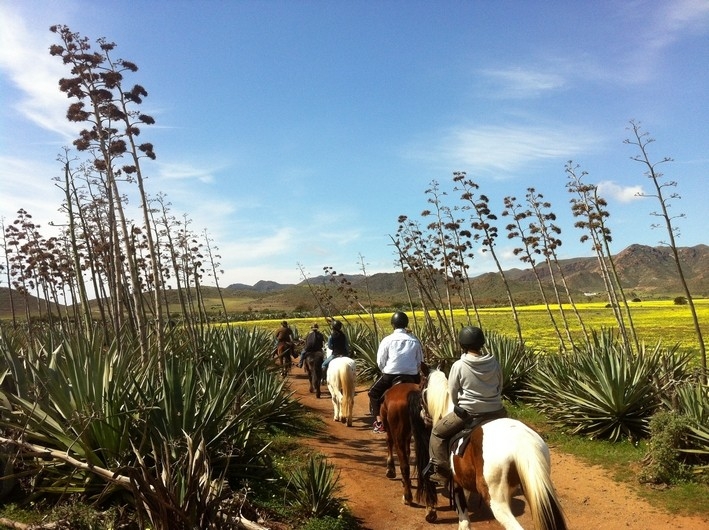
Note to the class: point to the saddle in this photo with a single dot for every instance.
(405, 378)
(459, 441)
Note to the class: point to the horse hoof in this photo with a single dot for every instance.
(431, 517)
(349, 424)
(391, 473)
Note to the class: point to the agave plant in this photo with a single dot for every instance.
(314, 487)
(517, 362)
(693, 402)
(98, 413)
(177, 489)
(76, 398)
(364, 343)
(603, 392)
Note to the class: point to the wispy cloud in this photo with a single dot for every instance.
(25, 60)
(185, 171)
(28, 185)
(676, 20)
(517, 82)
(256, 249)
(508, 149)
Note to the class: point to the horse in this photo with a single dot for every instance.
(284, 352)
(313, 368)
(341, 375)
(401, 413)
(502, 455)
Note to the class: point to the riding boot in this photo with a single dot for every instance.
(441, 476)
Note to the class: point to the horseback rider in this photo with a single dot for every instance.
(313, 343)
(338, 344)
(284, 339)
(475, 387)
(399, 354)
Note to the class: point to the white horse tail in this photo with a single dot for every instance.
(533, 466)
(347, 384)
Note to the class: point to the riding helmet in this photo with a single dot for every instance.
(399, 320)
(471, 338)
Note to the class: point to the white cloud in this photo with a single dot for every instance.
(608, 188)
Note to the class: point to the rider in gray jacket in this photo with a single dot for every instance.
(475, 387)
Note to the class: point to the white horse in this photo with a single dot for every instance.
(502, 455)
(341, 376)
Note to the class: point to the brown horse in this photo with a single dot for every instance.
(401, 412)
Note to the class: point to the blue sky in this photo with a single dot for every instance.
(297, 132)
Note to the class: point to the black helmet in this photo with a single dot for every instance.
(337, 325)
(399, 320)
(471, 338)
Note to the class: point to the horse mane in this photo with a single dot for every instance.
(438, 399)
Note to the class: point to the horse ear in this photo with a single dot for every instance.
(424, 369)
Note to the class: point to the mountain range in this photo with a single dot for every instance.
(646, 272)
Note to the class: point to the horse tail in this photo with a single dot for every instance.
(347, 386)
(426, 490)
(532, 463)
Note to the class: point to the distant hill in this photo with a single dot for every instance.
(646, 273)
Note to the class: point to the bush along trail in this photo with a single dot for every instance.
(590, 497)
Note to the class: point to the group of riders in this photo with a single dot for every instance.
(337, 343)
(474, 381)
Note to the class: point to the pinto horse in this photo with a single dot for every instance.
(341, 376)
(401, 415)
(313, 368)
(501, 455)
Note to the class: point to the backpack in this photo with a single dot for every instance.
(314, 341)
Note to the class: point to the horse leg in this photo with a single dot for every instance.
(315, 383)
(403, 451)
(500, 504)
(333, 398)
(460, 500)
(350, 408)
(391, 470)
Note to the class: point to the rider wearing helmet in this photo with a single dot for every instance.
(475, 387)
(399, 355)
(338, 344)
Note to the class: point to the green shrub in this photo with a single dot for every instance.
(663, 462)
(345, 521)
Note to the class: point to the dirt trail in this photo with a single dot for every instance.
(590, 498)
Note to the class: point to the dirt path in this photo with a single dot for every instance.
(590, 498)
